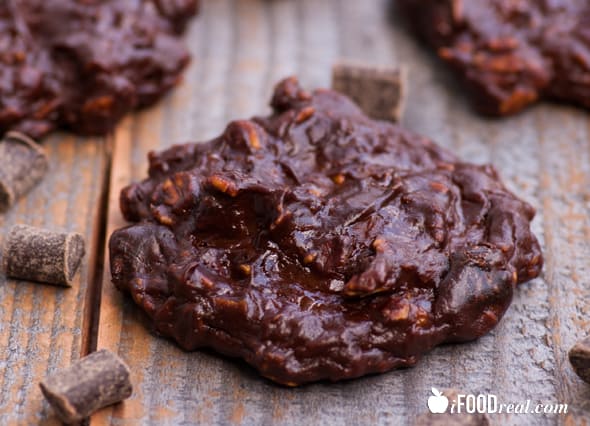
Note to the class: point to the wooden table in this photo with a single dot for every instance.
(240, 49)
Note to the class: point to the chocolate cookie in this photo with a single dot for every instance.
(83, 64)
(510, 53)
(317, 243)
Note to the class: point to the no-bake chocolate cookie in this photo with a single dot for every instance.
(317, 243)
(510, 53)
(83, 64)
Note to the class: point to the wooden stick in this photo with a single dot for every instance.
(378, 91)
(36, 254)
(96, 381)
(23, 163)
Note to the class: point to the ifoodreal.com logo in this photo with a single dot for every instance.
(437, 403)
(458, 403)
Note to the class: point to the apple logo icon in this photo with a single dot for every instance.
(437, 403)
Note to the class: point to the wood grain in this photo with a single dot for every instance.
(241, 49)
(43, 327)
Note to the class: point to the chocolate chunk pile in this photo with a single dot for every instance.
(83, 64)
(510, 53)
(317, 243)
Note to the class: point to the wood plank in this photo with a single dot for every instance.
(43, 327)
(242, 47)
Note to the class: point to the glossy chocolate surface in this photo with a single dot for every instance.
(317, 243)
(83, 64)
(510, 53)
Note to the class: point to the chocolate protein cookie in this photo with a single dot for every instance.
(317, 243)
(510, 53)
(83, 64)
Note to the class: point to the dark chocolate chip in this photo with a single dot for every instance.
(36, 254)
(579, 356)
(95, 381)
(379, 91)
(23, 163)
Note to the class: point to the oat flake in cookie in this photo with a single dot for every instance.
(317, 243)
(510, 53)
(83, 64)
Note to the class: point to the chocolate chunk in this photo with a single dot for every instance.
(510, 53)
(23, 164)
(317, 243)
(378, 91)
(95, 381)
(579, 356)
(36, 254)
(82, 65)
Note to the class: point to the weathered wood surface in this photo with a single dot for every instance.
(241, 49)
(44, 327)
